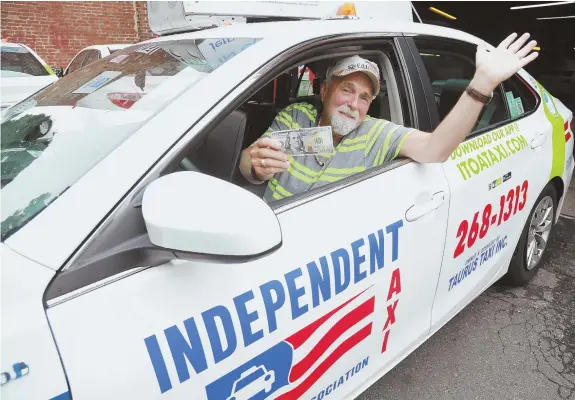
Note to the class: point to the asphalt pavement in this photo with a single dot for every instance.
(510, 343)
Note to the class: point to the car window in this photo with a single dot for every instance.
(19, 62)
(520, 98)
(91, 56)
(450, 65)
(306, 83)
(77, 62)
(217, 152)
(54, 137)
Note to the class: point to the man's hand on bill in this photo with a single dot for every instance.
(497, 65)
(267, 159)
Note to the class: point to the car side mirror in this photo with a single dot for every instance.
(191, 212)
(59, 72)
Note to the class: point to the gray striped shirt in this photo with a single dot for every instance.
(375, 142)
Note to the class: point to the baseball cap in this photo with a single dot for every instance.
(352, 64)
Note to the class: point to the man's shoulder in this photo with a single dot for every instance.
(301, 105)
(303, 108)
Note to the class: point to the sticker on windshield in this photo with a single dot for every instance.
(96, 83)
(519, 106)
(119, 59)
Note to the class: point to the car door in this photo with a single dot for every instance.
(344, 292)
(494, 175)
(346, 295)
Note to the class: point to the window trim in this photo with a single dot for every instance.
(358, 44)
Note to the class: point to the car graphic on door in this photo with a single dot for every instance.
(251, 382)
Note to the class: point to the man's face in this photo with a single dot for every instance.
(346, 101)
(293, 138)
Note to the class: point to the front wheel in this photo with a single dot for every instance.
(530, 252)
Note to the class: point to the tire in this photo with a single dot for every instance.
(45, 127)
(523, 268)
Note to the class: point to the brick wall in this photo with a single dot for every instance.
(58, 30)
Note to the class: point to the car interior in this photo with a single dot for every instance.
(219, 154)
(450, 75)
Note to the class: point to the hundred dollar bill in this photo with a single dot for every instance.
(304, 141)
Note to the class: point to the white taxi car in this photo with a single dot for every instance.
(137, 263)
(23, 73)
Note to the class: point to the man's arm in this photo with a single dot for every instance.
(492, 68)
(268, 150)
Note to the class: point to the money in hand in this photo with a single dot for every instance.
(304, 141)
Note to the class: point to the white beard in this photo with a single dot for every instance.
(342, 125)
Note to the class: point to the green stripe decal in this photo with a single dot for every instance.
(557, 135)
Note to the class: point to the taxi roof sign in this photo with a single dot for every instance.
(167, 17)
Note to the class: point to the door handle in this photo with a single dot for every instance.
(417, 211)
(538, 141)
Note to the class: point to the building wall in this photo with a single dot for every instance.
(57, 30)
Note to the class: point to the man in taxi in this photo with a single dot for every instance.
(362, 142)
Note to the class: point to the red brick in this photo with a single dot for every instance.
(58, 30)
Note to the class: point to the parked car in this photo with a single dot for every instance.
(90, 54)
(23, 73)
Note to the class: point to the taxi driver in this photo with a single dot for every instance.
(362, 142)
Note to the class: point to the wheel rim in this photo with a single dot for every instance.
(44, 127)
(539, 230)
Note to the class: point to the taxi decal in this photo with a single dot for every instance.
(558, 133)
(567, 132)
(295, 359)
(510, 204)
(392, 300)
(478, 259)
(20, 369)
(481, 153)
(342, 380)
(499, 181)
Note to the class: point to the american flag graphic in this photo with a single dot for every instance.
(296, 363)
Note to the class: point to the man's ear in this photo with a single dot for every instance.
(322, 90)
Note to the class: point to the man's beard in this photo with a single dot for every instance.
(343, 125)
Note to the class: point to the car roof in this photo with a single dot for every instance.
(11, 45)
(305, 30)
(106, 46)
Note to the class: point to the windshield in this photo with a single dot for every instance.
(17, 62)
(51, 139)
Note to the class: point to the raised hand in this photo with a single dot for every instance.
(512, 54)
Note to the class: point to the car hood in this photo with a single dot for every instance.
(15, 89)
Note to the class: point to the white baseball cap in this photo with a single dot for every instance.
(352, 64)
